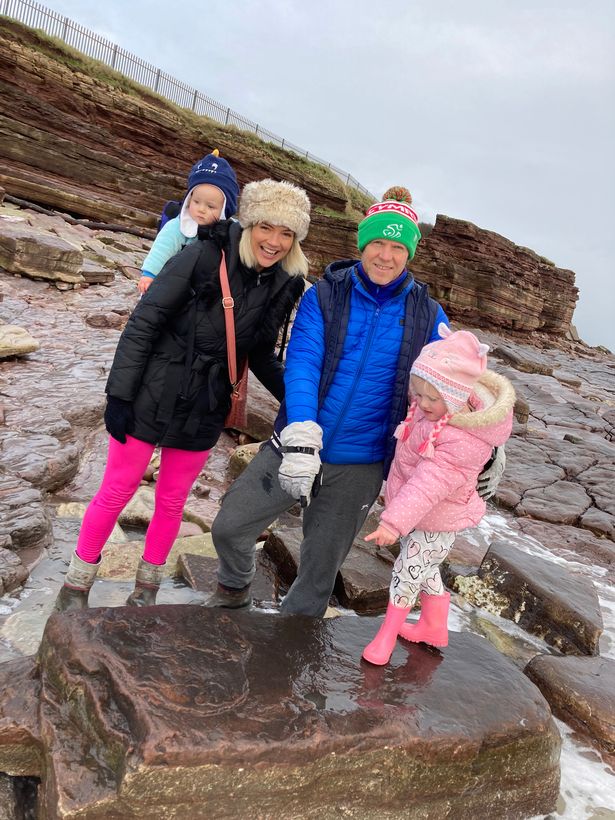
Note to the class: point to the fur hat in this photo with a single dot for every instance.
(393, 219)
(452, 365)
(279, 203)
(214, 170)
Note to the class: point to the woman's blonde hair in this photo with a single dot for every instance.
(294, 263)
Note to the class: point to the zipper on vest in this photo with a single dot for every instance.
(359, 371)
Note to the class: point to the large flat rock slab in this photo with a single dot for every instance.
(182, 711)
(544, 598)
(24, 250)
(581, 691)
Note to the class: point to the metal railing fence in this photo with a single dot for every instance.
(93, 45)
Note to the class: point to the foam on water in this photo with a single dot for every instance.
(588, 785)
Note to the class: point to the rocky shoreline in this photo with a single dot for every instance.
(57, 338)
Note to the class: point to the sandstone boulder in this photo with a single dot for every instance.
(241, 457)
(581, 692)
(262, 409)
(543, 598)
(364, 579)
(16, 341)
(26, 251)
(178, 711)
(199, 571)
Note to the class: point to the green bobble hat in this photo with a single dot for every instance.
(393, 219)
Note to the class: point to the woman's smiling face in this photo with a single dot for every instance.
(270, 243)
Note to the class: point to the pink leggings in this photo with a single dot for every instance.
(126, 465)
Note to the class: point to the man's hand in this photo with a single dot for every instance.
(492, 472)
(301, 442)
(119, 418)
(382, 536)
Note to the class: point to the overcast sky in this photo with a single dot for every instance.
(491, 111)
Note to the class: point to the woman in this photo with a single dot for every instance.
(169, 383)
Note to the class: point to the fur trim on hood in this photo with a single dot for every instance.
(497, 398)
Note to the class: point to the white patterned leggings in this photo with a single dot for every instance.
(417, 567)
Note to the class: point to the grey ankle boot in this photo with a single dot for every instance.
(147, 583)
(77, 585)
(229, 598)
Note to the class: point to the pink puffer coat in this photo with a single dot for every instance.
(439, 494)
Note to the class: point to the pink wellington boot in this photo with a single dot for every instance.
(431, 626)
(379, 651)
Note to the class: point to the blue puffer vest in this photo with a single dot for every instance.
(348, 363)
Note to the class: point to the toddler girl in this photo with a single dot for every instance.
(459, 411)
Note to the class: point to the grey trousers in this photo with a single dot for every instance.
(330, 525)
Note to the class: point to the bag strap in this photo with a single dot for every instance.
(228, 303)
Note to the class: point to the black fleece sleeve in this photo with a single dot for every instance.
(267, 369)
(167, 294)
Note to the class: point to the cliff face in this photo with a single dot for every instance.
(72, 139)
(76, 137)
(483, 279)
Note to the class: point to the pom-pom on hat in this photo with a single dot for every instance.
(214, 170)
(278, 203)
(393, 219)
(452, 365)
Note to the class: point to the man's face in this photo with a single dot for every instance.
(384, 260)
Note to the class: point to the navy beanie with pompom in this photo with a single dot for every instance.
(214, 170)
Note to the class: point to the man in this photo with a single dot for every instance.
(354, 339)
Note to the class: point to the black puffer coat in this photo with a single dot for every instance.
(184, 405)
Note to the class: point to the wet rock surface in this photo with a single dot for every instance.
(24, 520)
(546, 600)
(555, 499)
(200, 572)
(246, 714)
(20, 738)
(580, 691)
(13, 573)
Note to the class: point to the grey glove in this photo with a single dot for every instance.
(301, 443)
(492, 472)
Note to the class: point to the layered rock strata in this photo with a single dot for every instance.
(86, 142)
(91, 144)
(483, 278)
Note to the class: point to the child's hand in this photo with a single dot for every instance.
(144, 283)
(382, 536)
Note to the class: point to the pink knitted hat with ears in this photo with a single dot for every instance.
(452, 365)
